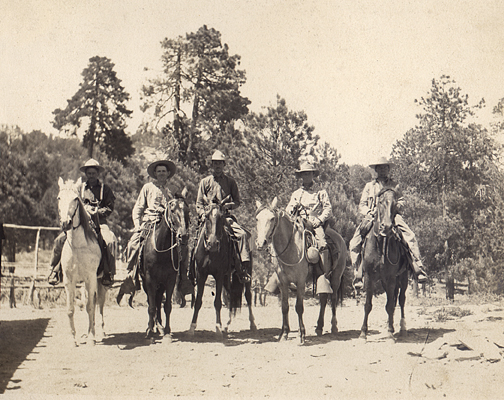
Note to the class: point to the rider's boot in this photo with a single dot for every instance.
(357, 283)
(242, 271)
(323, 284)
(419, 272)
(53, 277)
(107, 279)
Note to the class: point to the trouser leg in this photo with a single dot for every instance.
(185, 286)
(56, 258)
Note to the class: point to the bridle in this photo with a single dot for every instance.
(377, 233)
(276, 219)
(175, 240)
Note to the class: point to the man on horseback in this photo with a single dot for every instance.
(367, 209)
(314, 207)
(98, 201)
(219, 186)
(148, 209)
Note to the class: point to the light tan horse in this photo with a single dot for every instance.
(80, 256)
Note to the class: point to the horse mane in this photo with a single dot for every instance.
(85, 219)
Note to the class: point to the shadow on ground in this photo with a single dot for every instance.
(18, 339)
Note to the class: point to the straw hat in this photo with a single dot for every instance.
(381, 161)
(151, 169)
(218, 156)
(92, 163)
(307, 167)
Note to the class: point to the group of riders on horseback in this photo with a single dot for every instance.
(308, 203)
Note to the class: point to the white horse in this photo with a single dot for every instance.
(80, 256)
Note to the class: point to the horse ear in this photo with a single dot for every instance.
(258, 204)
(61, 182)
(274, 203)
(79, 182)
(184, 192)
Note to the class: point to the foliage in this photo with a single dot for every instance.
(447, 163)
(199, 75)
(100, 100)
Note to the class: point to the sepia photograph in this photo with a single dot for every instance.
(286, 199)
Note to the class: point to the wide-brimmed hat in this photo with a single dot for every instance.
(218, 156)
(92, 163)
(151, 169)
(381, 161)
(307, 167)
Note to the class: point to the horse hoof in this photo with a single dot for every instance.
(363, 336)
(334, 330)
(318, 332)
(253, 327)
(167, 338)
(192, 329)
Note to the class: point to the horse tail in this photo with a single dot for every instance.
(235, 293)
(339, 295)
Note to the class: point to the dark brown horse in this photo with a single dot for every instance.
(385, 259)
(161, 260)
(287, 242)
(215, 255)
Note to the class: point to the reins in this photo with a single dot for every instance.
(278, 254)
(173, 241)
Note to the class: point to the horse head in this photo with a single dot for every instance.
(68, 204)
(266, 218)
(177, 217)
(214, 225)
(386, 211)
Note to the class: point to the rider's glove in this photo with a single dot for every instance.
(160, 210)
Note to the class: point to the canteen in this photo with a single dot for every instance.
(312, 255)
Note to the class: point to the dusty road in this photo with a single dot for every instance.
(459, 357)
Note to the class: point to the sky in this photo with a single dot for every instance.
(354, 67)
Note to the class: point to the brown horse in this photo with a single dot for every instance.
(161, 261)
(215, 255)
(287, 242)
(385, 259)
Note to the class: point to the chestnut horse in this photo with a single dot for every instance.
(215, 254)
(386, 259)
(162, 255)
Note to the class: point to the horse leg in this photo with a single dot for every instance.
(159, 320)
(198, 302)
(390, 306)
(218, 307)
(300, 311)
(102, 293)
(248, 298)
(168, 309)
(70, 292)
(151, 309)
(92, 291)
(368, 306)
(402, 301)
(284, 294)
(323, 297)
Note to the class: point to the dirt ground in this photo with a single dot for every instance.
(451, 351)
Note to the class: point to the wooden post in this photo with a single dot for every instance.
(35, 270)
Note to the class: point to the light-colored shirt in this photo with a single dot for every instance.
(152, 196)
(371, 190)
(216, 187)
(316, 203)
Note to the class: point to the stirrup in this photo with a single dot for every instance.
(421, 277)
(53, 278)
(107, 280)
